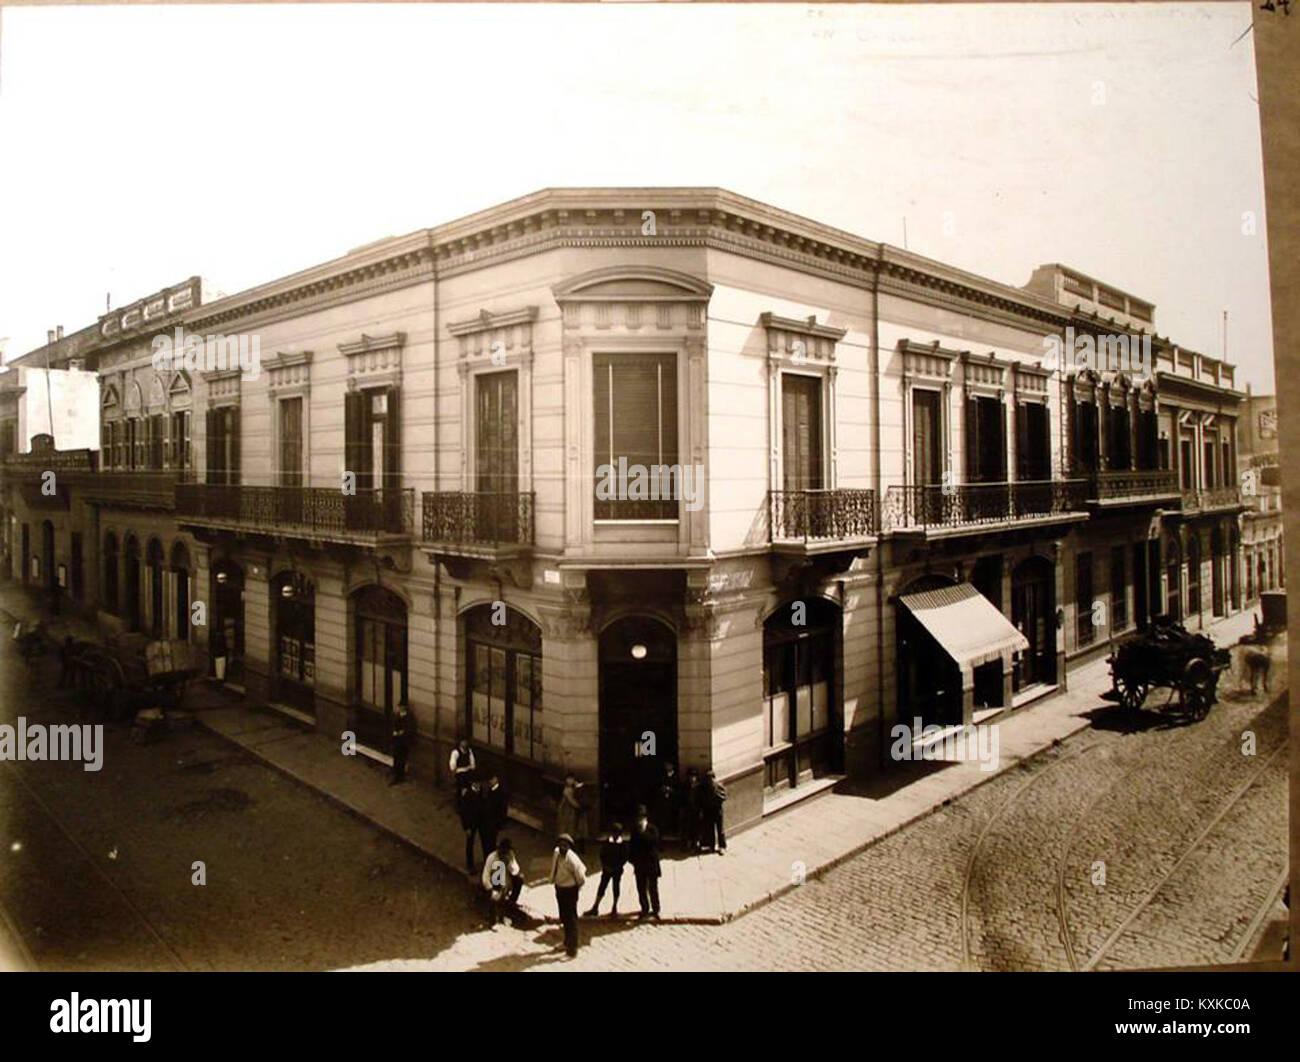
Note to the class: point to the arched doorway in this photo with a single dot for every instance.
(48, 575)
(132, 551)
(379, 657)
(638, 696)
(111, 600)
(1217, 597)
(157, 615)
(180, 567)
(1173, 580)
(1193, 576)
(227, 620)
(929, 680)
(503, 688)
(1033, 614)
(802, 735)
(293, 597)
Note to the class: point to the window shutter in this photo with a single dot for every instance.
(1020, 417)
(353, 424)
(393, 439)
(234, 476)
(1000, 434)
(972, 441)
(210, 440)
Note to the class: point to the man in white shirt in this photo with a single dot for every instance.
(567, 875)
(502, 879)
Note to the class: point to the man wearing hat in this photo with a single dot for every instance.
(567, 875)
(503, 880)
(643, 854)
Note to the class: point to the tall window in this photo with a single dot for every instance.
(927, 437)
(635, 430)
(1085, 436)
(1033, 442)
(504, 691)
(380, 649)
(223, 445)
(180, 440)
(1211, 478)
(157, 439)
(1119, 437)
(801, 432)
(1083, 598)
(986, 444)
(1187, 464)
(1118, 589)
(371, 437)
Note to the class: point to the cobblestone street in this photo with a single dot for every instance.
(1192, 833)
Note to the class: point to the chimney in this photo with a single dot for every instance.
(58, 332)
(49, 337)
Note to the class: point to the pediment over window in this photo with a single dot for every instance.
(109, 400)
(639, 283)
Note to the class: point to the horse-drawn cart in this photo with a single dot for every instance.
(125, 678)
(1168, 655)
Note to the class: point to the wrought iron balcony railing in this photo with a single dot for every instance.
(321, 512)
(480, 519)
(1211, 498)
(822, 515)
(1144, 483)
(978, 504)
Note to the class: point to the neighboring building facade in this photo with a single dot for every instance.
(893, 506)
(1263, 547)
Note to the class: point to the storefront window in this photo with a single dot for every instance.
(505, 681)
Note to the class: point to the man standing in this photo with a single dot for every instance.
(502, 879)
(613, 858)
(713, 795)
(400, 734)
(470, 807)
(643, 853)
(495, 809)
(462, 768)
(567, 875)
(692, 811)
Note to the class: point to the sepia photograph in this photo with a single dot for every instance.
(639, 487)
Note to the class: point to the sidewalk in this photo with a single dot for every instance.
(760, 864)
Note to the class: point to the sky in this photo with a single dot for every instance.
(143, 145)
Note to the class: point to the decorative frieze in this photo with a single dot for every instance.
(374, 361)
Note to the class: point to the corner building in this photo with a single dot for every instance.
(900, 510)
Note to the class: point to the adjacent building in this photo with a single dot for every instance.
(600, 478)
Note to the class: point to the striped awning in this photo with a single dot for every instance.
(965, 623)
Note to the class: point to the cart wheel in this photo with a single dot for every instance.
(1132, 691)
(1198, 687)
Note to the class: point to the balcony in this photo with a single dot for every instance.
(1130, 487)
(319, 513)
(488, 525)
(146, 489)
(943, 510)
(812, 521)
(1215, 499)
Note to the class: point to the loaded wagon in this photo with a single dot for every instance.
(1167, 654)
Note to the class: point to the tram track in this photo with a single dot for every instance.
(1117, 934)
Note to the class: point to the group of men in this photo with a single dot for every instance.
(483, 807)
(691, 810)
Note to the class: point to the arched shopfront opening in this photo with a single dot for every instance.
(638, 696)
(503, 689)
(929, 680)
(379, 661)
(1217, 556)
(157, 615)
(802, 734)
(48, 574)
(1173, 580)
(1033, 614)
(227, 620)
(180, 571)
(293, 599)
(111, 599)
(132, 552)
